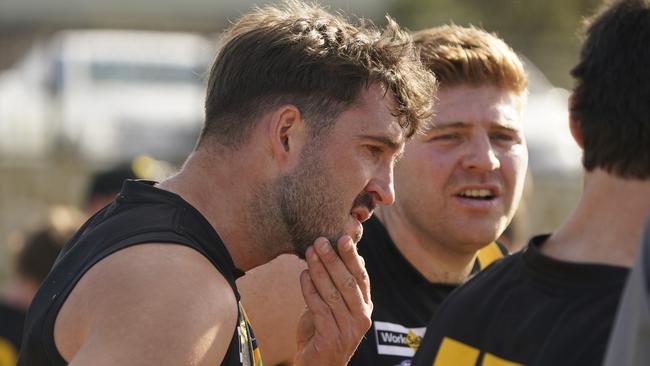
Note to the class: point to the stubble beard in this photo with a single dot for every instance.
(287, 215)
(308, 204)
(302, 206)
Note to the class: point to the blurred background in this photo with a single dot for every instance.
(89, 85)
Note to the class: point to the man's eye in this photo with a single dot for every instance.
(446, 137)
(375, 150)
(502, 137)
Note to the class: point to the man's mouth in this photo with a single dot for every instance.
(478, 194)
(361, 215)
(362, 207)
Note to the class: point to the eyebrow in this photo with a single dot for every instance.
(392, 144)
(464, 125)
(387, 141)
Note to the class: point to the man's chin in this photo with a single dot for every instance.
(354, 231)
(300, 246)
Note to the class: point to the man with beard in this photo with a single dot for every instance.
(305, 115)
(457, 188)
(554, 303)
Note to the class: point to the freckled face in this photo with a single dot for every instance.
(460, 184)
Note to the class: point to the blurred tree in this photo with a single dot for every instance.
(545, 31)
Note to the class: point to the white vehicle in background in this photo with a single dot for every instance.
(106, 95)
(551, 147)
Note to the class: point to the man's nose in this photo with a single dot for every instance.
(381, 187)
(480, 155)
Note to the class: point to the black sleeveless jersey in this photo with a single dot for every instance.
(404, 301)
(528, 309)
(140, 214)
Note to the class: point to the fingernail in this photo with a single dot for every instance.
(323, 247)
(345, 243)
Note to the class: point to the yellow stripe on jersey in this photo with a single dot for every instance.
(256, 354)
(454, 353)
(489, 254)
(8, 356)
(492, 360)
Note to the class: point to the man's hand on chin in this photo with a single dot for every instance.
(337, 293)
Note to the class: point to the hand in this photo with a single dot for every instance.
(337, 293)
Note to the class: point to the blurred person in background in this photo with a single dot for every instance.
(305, 117)
(105, 185)
(555, 302)
(32, 262)
(457, 188)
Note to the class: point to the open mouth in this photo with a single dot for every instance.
(361, 215)
(478, 194)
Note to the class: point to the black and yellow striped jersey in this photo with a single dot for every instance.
(403, 299)
(528, 309)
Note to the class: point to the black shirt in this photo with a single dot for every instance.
(11, 329)
(403, 299)
(140, 214)
(526, 309)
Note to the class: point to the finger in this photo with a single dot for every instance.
(326, 287)
(341, 277)
(318, 309)
(305, 330)
(355, 264)
(351, 320)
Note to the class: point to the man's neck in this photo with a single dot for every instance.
(435, 262)
(221, 194)
(606, 225)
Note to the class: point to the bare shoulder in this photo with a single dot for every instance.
(273, 299)
(149, 304)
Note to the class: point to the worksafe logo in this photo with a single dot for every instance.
(396, 339)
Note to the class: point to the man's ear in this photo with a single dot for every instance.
(287, 134)
(574, 122)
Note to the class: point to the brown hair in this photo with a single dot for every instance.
(300, 54)
(611, 100)
(468, 55)
(37, 252)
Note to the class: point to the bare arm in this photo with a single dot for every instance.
(154, 304)
(273, 300)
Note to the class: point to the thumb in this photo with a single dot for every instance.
(306, 328)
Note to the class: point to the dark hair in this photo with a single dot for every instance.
(39, 249)
(611, 100)
(469, 55)
(39, 252)
(302, 55)
(109, 182)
